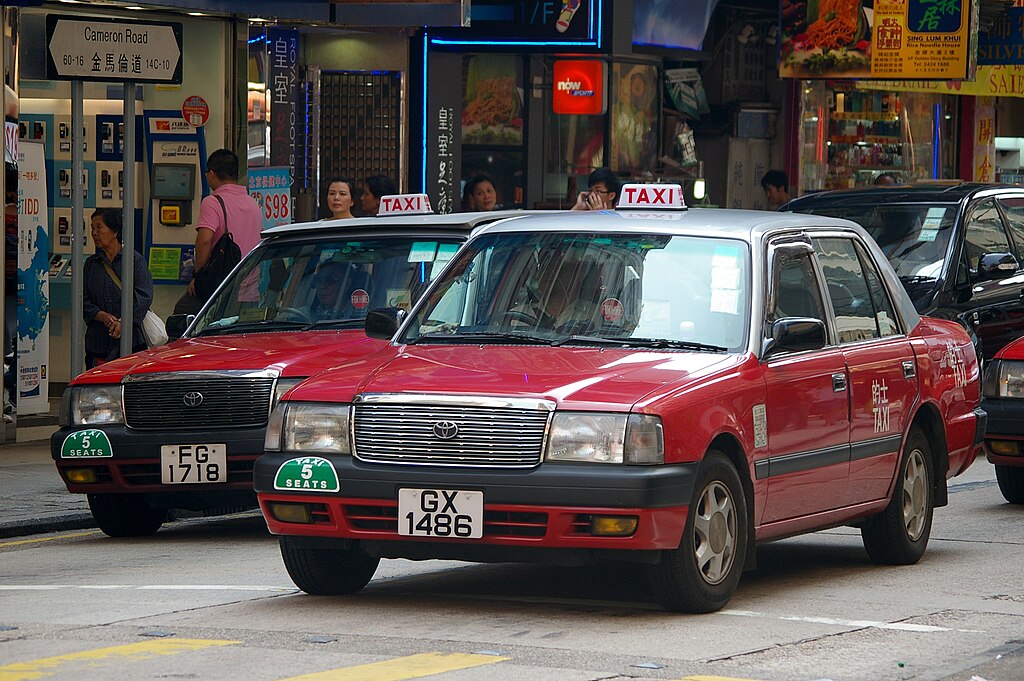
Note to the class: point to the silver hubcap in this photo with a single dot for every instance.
(915, 495)
(714, 532)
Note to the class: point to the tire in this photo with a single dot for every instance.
(1011, 483)
(125, 515)
(899, 534)
(327, 572)
(701, 575)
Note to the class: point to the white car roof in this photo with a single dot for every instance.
(447, 221)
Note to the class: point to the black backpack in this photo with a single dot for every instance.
(223, 258)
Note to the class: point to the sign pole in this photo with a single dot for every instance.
(128, 246)
(77, 235)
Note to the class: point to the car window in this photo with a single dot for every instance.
(985, 233)
(796, 290)
(1014, 210)
(861, 304)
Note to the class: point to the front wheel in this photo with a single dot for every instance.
(899, 534)
(327, 572)
(702, 574)
(125, 515)
(1011, 483)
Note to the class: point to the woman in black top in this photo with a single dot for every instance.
(102, 305)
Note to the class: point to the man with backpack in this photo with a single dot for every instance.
(227, 215)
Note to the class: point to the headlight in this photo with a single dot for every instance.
(91, 405)
(312, 427)
(282, 386)
(1004, 378)
(605, 438)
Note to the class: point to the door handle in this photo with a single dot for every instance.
(909, 370)
(838, 383)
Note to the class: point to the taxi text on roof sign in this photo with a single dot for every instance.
(404, 204)
(652, 196)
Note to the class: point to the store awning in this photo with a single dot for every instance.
(990, 81)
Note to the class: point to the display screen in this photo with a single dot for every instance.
(173, 181)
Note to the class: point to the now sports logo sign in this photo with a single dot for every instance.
(579, 87)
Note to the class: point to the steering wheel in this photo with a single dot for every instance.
(292, 314)
(517, 316)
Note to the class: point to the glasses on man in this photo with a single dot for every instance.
(327, 280)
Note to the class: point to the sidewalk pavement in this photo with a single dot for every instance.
(32, 494)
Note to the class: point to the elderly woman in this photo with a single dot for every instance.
(102, 295)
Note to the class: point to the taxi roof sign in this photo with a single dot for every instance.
(651, 197)
(405, 204)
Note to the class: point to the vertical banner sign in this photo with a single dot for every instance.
(441, 156)
(446, 189)
(33, 281)
(283, 48)
(271, 187)
(921, 39)
(984, 139)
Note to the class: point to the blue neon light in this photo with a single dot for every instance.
(936, 141)
(426, 40)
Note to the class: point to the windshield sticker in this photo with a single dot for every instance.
(253, 314)
(400, 297)
(654, 317)
(446, 252)
(612, 310)
(423, 251)
(86, 444)
(725, 277)
(725, 300)
(360, 299)
(928, 234)
(725, 256)
(308, 473)
(932, 221)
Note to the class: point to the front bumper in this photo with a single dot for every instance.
(549, 506)
(135, 462)
(1005, 423)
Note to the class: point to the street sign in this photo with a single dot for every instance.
(112, 50)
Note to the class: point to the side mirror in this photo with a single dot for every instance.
(993, 266)
(795, 334)
(176, 325)
(383, 322)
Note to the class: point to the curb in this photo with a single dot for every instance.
(73, 521)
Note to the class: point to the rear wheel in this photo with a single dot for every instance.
(702, 574)
(1011, 483)
(327, 572)
(899, 534)
(125, 515)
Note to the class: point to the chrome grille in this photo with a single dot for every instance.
(498, 436)
(228, 401)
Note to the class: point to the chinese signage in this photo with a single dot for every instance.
(919, 39)
(283, 52)
(1003, 43)
(271, 187)
(984, 139)
(446, 191)
(994, 81)
(107, 50)
(579, 87)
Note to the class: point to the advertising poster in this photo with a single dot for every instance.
(634, 146)
(492, 103)
(271, 187)
(918, 39)
(33, 281)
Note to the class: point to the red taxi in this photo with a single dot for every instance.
(179, 426)
(651, 384)
(1003, 388)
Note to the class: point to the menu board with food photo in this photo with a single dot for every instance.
(492, 101)
(826, 39)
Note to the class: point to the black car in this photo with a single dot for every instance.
(957, 248)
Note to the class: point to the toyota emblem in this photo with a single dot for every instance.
(446, 430)
(192, 399)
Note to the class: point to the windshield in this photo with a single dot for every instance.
(644, 290)
(913, 236)
(324, 283)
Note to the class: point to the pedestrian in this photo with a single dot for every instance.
(886, 179)
(603, 188)
(479, 194)
(776, 188)
(340, 198)
(374, 187)
(102, 293)
(230, 207)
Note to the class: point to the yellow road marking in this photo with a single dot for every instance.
(48, 539)
(401, 668)
(712, 678)
(47, 666)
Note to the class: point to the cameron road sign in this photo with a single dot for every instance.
(112, 50)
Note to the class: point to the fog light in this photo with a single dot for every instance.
(80, 475)
(613, 526)
(1004, 447)
(290, 513)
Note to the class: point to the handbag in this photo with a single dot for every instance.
(153, 328)
(223, 258)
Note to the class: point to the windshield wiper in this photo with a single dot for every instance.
(640, 342)
(264, 325)
(481, 336)
(916, 279)
(350, 322)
